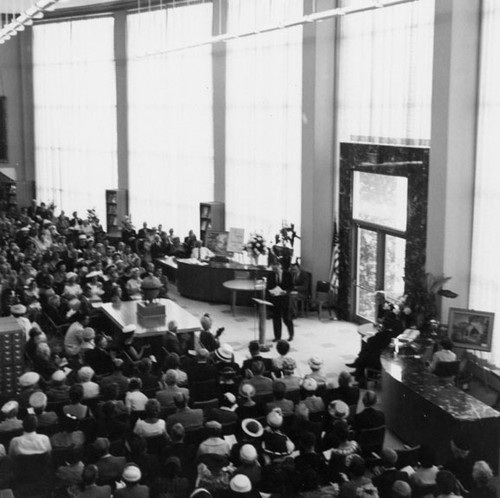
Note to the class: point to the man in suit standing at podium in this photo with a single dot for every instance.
(279, 285)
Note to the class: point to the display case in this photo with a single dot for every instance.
(212, 217)
(8, 194)
(116, 209)
(12, 340)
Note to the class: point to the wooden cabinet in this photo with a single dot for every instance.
(12, 340)
(8, 194)
(212, 217)
(116, 209)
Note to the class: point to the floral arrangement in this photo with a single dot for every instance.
(256, 245)
(419, 306)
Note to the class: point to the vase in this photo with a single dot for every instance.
(254, 260)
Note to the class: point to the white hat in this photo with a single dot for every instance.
(94, 273)
(132, 473)
(309, 384)
(88, 333)
(71, 274)
(18, 309)
(29, 379)
(129, 328)
(225, 352)
(240, 483)
(315, 362)
(252, 427)
(38, 400)
(248, 453)
(9, 406)
(58, 376)
(213, 424)
(275, 418)
(338, 409)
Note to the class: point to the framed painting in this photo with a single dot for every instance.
(471, 329)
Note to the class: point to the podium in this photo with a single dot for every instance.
(262, 305)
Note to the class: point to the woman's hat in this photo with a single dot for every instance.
(224, 353)
(309, 384)
(131, 473)
(29, 379)
(246, 390)
(288, 364)
(248, 453)
(315, 362)
(38, 400)
(338, 409)
(275, 418)
(88, 333)
(240, 483)
(252, 427)
(18, 309)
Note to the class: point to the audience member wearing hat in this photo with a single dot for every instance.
(369, 417)
(250, 465)
(99, 358)
(389, 473)
(18, 311)
(28, 382)
(88, 336)
(247, 407)
(356, 470)
(225, 413)
(72, 289)
(38, 401)
(166, 395)
(309, 458)
(292, 382)
(315, 364)
(313, 402)
(279, 401)
(90, 389)
(335, 421)
(10, 411)
(223, 357)
(215, 444)
(240, 485)
(131, 476)
(58, 389)
(401, 489)
(207, 339)
(462, 460)
(274, 443)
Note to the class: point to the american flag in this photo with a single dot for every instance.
(334, 263)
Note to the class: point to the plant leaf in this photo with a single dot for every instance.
(447, 293)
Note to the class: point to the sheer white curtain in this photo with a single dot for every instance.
(75, 113)
(263, 118)
(170, 116)
(385, 73)
(485, 271)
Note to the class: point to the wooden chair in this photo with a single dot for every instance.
(371, 440)
(323, 297)
(206, 404)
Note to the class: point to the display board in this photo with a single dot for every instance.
(217, 240)
(236, 240)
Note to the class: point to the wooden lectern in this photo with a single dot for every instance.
(262, 305)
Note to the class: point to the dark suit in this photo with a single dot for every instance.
(384, 481)
(369, 418)
(190, 418)
(281, 304)
(139, 491)
(100, 360)
(110, 467)
(95, 492)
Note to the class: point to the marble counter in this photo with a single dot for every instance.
(420, 408)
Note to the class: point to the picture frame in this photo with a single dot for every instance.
(471, 329)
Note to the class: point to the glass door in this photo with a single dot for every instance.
(379, 215)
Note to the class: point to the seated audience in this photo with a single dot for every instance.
(109, 467)
(388, 473)
(131, 476)
(369, 417)
(89, 487)
(166, 395)
(10, 423)
(254, 350)
(279, 401)
(345, 392)
(69, 436)
(90, 389)
(263, 385)
(483, 482)
(357, 478)
(214, 444)
(315, 364)
(135, 400)
(30, 442)
(152, 425)
(76, 408)
(190, 418)
(58, 389)
(446, 484)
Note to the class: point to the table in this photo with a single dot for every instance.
(243, 285)
(125, 314)
(204, 281)
(420, 408)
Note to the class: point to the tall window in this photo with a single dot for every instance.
(485, 272)
(263, 117)
(75, 113)
(385, 73)
(170, 115)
